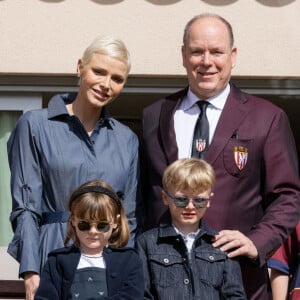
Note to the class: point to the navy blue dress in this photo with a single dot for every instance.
(51, 154)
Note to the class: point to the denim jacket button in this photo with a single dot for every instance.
(211, 257)
(166, 261)
(186, 281)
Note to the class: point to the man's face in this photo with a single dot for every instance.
(208, 57)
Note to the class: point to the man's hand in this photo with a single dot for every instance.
(236, 243)
(31, 282)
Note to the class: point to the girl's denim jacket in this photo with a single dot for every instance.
(170, 274)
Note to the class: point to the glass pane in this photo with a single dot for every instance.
(7, 123)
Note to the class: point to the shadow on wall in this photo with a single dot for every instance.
(104, 2)
(107, 2)
(163, 2)
(275, 3)
(272, 3)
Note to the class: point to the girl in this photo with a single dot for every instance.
(96, 266)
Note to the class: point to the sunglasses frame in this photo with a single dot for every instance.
(183, 201)
(100, 226)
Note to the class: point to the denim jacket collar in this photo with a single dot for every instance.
(167, 231)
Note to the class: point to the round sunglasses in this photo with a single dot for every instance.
(182, 201)
(86, 226)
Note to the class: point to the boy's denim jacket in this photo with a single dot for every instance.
(169, 274)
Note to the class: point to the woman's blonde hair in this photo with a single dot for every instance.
(191, 174)
(107, 45)
(97, 201)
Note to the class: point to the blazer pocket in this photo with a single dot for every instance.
(238, 156)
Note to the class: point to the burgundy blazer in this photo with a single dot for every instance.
(257, 188)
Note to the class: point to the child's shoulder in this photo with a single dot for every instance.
(151, 235)
(64, 250)
(153, 232)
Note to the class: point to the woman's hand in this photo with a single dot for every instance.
(31, 283)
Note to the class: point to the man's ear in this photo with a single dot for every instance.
(183, 55)
(233, 57)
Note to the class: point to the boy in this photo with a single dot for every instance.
(178, 259)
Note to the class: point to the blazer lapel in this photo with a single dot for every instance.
(231, 117)
(166, 125)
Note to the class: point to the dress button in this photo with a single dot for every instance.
(186, 281)
(166, 261)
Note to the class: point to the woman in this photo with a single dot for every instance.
(54, 150)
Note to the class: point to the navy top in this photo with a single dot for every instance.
(124, 274)
(89, 283)
(50, 154)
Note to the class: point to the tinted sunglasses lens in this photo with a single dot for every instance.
(83, 226)
(86, 226)
(181, 202)
(103, 227)
(200, 202)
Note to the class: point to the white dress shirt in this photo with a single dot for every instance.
(189, 239)
(186, 116)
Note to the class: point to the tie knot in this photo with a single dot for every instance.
(202, 105)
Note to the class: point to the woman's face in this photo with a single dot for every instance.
(92, 240)
(102, 79)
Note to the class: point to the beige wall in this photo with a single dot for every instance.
(9, 268)
(48, 36)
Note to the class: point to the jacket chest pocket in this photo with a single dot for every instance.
(167, 270)
(209, 267)
(238, 157)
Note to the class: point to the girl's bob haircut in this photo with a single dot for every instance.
(97, 201)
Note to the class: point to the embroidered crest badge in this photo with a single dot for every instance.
(200, 145)
(240, 156)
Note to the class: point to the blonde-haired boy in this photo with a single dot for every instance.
(178, 259)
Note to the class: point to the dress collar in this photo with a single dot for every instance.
(57, 107)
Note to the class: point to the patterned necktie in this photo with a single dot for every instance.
(201, 132)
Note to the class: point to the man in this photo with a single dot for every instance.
(251, 148)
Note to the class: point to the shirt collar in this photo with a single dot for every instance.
(217, 101)
(190, 234)
(57, 107)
